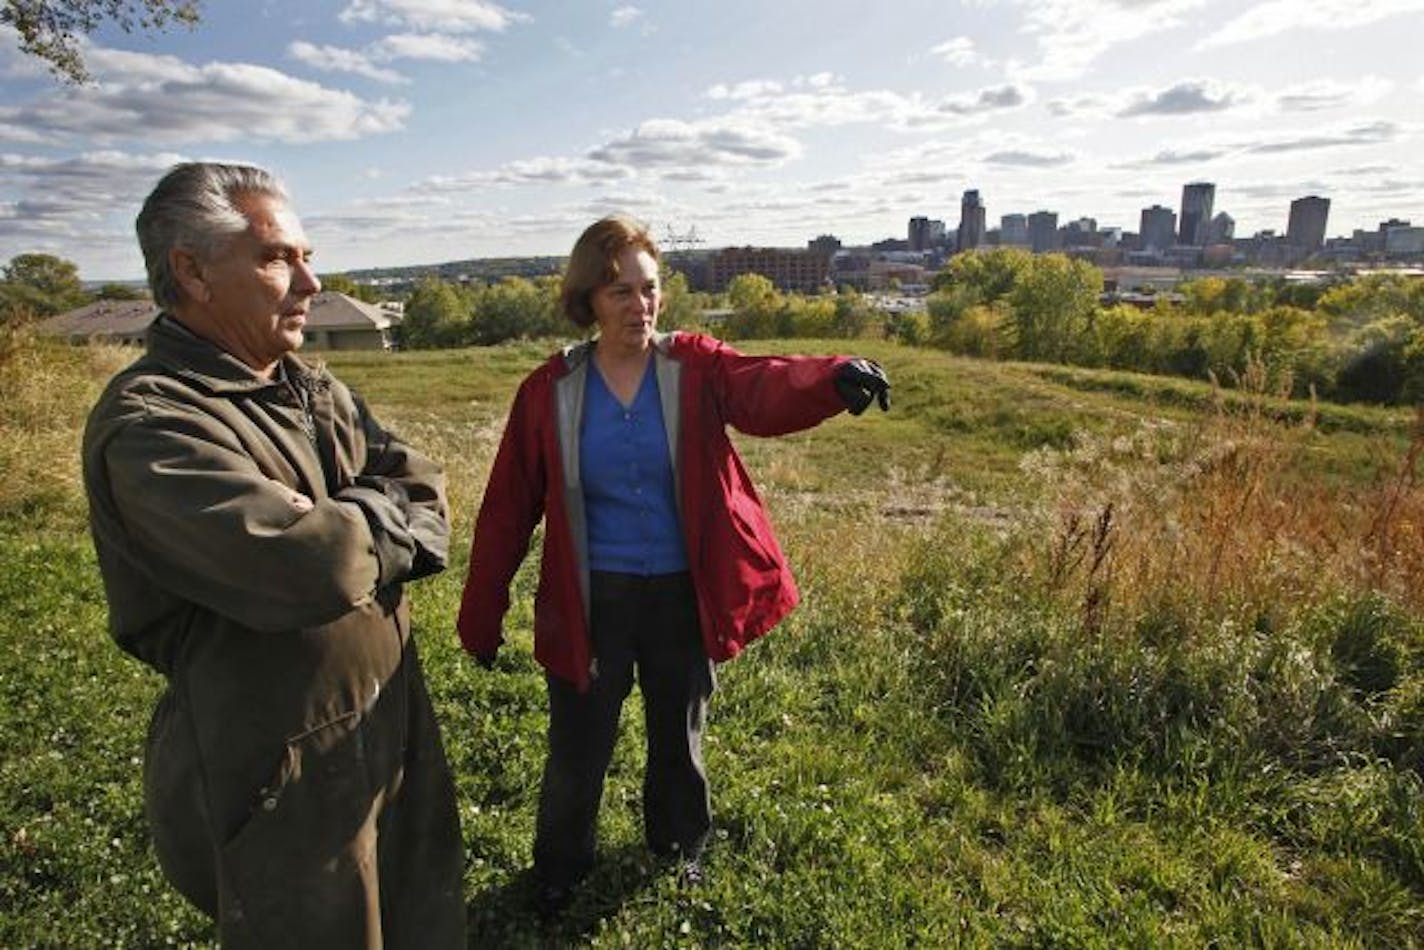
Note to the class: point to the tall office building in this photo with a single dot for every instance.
(1196, 212)
(925, 233)
(1013, 230)
(1306, 228)
(1043, 231)
(1158, 228)
(1222, 229)
(971, 221)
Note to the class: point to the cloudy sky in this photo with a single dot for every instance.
(418, 131)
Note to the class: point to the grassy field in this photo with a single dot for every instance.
(1084, 659)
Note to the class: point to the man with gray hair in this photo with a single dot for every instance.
(255, 525)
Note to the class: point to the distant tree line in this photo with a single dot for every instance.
(440, 313)
(1354, 340)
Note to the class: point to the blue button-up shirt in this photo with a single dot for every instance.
(630, 502)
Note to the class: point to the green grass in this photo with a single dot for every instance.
(936, 749)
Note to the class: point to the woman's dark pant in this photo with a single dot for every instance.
(649, 624)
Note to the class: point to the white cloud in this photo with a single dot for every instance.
(1369, 133)
(746, 90)
(429, 46)
(162, 99)
(1280, 16)
(1030, 158)
(958, 51)
(334, 59)
(69, 200)
(447, 16)
(625, 16)
(541, 171)
(670, 143)
(1071, 34)
(819, 101)
(437, 47)
(966, 107)
(1332, 94)
(1187, 97)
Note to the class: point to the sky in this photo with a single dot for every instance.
(421, 131)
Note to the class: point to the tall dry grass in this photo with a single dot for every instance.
(46, 391)
(1218, 517)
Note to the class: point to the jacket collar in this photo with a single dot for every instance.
(185, 354)
(574, 355)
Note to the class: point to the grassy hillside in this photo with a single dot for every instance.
(1084, 658)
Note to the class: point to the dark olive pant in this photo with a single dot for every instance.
(647, 626)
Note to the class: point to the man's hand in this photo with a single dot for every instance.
(860, 381)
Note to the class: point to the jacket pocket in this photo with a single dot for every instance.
(302, 870)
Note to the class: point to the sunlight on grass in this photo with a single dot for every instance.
(1081, 660)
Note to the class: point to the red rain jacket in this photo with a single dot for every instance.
(744, 586)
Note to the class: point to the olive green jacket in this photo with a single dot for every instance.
(253, 537)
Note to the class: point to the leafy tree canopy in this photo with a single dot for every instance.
(51, 29)
(42, 283)
(342, 284)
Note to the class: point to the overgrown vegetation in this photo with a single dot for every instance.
(1084, 659)
(1358, 340)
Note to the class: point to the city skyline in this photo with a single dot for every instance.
(420, 131)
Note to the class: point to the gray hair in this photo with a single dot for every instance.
(192, 208)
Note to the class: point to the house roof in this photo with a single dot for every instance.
(129, 319)
(104, 319)
(336, 311)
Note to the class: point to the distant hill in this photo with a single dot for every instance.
(486, 270)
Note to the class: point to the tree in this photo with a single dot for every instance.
(513, 308)
(985, 277)
(120, 292)
(970, 282)
(1207, 295)
(756, 306)
(681, 307)
(341, 284)
(751, 292)
(1050, 304)
(43, 284)
(50, 29)
(435, 315)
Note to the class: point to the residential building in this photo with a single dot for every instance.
(103, 321)
(334, 322)
(787, 269)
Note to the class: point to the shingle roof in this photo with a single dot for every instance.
(104, 319)
(128, 319)
(336, 311)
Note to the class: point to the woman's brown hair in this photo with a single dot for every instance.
(593, 263)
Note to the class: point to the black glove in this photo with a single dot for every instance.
(859, 381)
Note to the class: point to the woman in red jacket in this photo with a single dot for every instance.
(658, 556)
